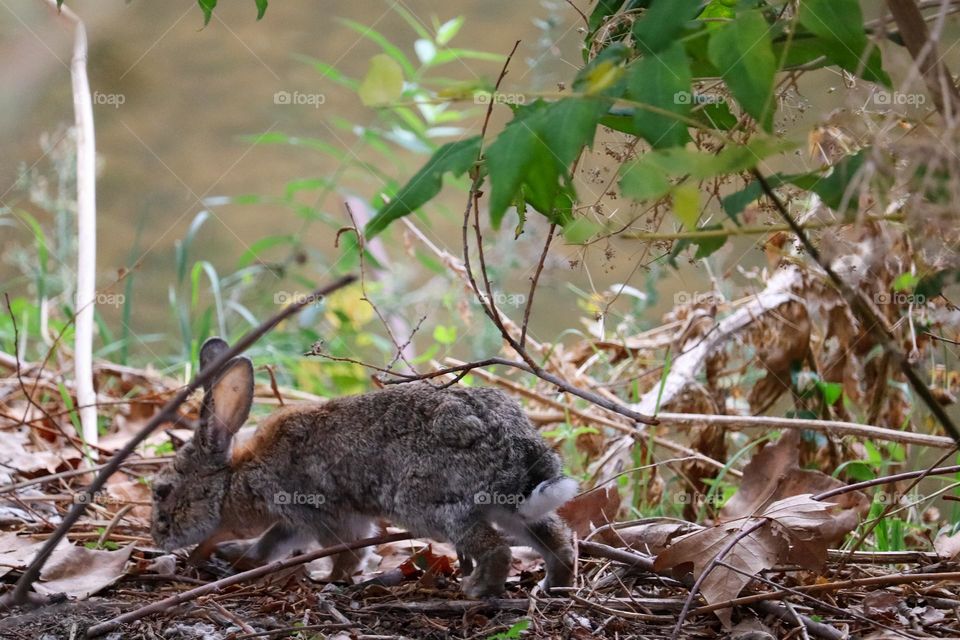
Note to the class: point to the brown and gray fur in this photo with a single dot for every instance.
(457, 464)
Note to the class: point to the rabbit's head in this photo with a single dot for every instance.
(188, 494)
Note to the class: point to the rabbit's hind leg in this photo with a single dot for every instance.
(346, 563)
(491, 554)
(466, 563)
(551, 538)
(277, 541)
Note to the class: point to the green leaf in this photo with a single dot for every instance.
(686, 204)
(383, 83)
(802, 49)
(716, 115)
(604, 73)
(261, 8)
(839, 25)
(579, 230)
(207, 6)
(662, 81)
(906, 281)
(643, 181)
(445, 335)
(707, 246)
(534, 152)
(831, 391)
(448, 30)
(743, 53)
(721, 9)
(388, 47)
(453, 157)
(662, 24)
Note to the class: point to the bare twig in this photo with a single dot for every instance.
(833, 427)
(21, 594)
(533, 283)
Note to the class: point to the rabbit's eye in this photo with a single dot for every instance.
(161, 491)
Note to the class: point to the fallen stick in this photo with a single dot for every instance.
(213, 587)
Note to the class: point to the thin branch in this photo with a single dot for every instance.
(21, 594)
(835, 427)
(533, 283)
(700, 234)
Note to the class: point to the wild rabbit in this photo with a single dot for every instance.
(457, 464)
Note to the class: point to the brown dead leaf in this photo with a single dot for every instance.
(757, 551)
(774, 473)
(947, 547)
(789, 533)
(591, 509)
(649, 537)
(16, 552)
(779, 344)
(80, 572)
(427, 561)
(18, 452)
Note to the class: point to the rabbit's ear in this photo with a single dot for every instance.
(226, 405)
(211, 350)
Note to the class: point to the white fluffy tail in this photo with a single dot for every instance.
(546, 497)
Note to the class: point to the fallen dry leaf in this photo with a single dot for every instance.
(947, 547)
(16, 552)
(648, 537)
(774, 473)
(591, 509)
(80, 572)
(789, 533)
